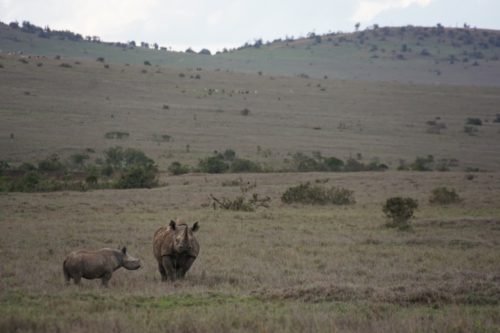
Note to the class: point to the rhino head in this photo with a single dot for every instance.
(183, 236)
(128, 261)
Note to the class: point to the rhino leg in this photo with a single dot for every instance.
(168, 267)
(162, 271)
(181, 272)
(105, 279)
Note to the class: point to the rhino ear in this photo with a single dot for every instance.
(124, 250)
(172, 224)
(195, 227)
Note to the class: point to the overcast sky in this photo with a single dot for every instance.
(216, 24)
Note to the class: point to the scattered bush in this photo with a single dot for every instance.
(444, 196)
(138, 176)
(176, 168)
(121, 159)
(245, 112)
(318, 195)
(400, 211)
(474, 121)
(116, 135)
(213, 164)
(471, 130)
(241, 203)
(65, 65)
(100, 59)
(147, 63)
(497, 118)
(244, 165)
(52, 163)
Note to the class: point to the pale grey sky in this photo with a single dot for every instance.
(224, 23)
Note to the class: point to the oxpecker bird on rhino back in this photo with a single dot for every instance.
(175, 248)
(98, 264)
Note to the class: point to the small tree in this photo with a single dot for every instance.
(400, 211)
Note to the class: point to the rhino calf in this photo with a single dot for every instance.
(175, 248)
(98, 264)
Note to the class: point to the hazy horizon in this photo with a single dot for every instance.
(223, 23)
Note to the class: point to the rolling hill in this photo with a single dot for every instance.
(409, 54)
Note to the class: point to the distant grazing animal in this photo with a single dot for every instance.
(98, 264)
(175, 248)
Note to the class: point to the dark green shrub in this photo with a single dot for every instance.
(120, 158)
(471, 130)
(354, 165)
(400, 211)
(317, 195)
(334, 164)
(147, 63)
(4, 165)
(26, 167)
(229, 155)
(304, 163)
(444, 196)
(243, 165)
(423, 163)
(138, 176)
(116, 135)
(241, 203)
(213, 164)
(497, 118)
(79, 159)
(474, 121)
(51, 163)
(176, 168)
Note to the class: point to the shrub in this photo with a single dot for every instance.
(400, 211)
(79, 159)
(120, 158)
(423, 163)
(100, 59)
(245, 112)
(317, 195)
(244, 165)
(334, 164)
(241, 203)
(176, 168)
(474, 121)
(213, 164)
(497, 118)
(116, 135)
(138, 176)
(51, 163)
(471, 130)
(147, 63)
(65, 65)
(444, 196)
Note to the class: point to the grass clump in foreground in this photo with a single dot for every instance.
(400, 211)
(318, 195)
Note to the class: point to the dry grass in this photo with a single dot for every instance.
(69, 110)
(296, 268)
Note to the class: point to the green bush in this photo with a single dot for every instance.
(474, 121)
(444, 196)
(116, 135)
(243, 165)
(213, 164)
(51, 163)
(400, 211)
(138, 177)
(120, 158)
(176, 168)
(317, 195)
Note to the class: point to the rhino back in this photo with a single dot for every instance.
(91, 264)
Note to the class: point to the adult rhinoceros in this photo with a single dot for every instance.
(175, 248)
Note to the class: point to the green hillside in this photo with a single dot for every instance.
(405, 54)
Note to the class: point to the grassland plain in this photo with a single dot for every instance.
(286, 268)
(52, 109)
